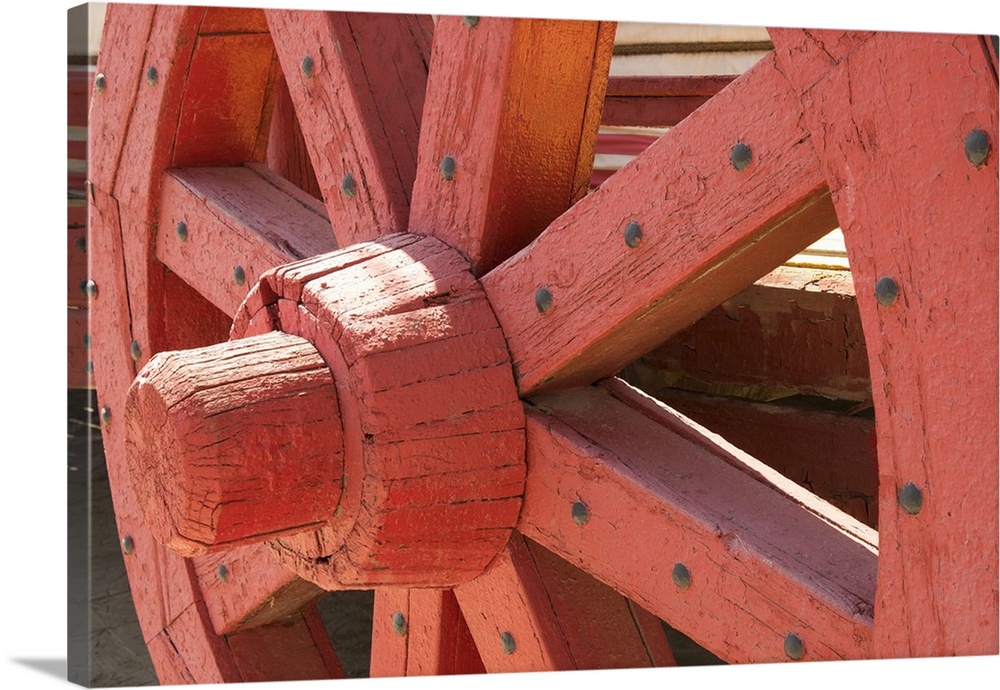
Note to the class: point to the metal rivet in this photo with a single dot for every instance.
(470, 21)
(543, 299)
(222, 572)
(89, 288)
(633, 234)
(447, 167)
(239, 275)
(152, 76)
(977, 147)
(89, 367)
(128, 546)
(911, 499)
(348, 187)
(507, 641)
(794, 647)
(106, 414)
(580, 513)
(135, 350)
(182, 231)
(740, 156)
(307, 66)
(81, 244)
(886, 291)
(100, 82)
(399, 623)
(682, 576)
(86, 340)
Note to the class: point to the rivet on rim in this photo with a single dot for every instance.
(911, 499)
(86, 340)
(100, 82)
(89, 288)
(633, 234)
(886, 291)
(794, 647)
(307, 66)
(740, 156)
(682, 576)
(81, 244)
(470, 21)
(152, 76)
(222, 572)
(182, 231)
(507, 642)
(128, 545)
(348, 187)
(580, 513)
(977, 147)
(239, 275)
(543, 299)
(135, 350)
(106, 414)
(89, 367)
(399, 623)
(447, 167)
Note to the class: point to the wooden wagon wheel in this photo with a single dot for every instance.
(402, 412)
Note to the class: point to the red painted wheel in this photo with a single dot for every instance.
(412, 412)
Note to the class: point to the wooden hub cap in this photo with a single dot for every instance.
(429, 431)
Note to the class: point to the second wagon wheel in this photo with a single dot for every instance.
(391, 389)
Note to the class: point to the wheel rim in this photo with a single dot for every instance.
(194, 625)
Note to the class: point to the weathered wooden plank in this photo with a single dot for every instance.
(77, 348)
(287, 154)
(759, 558)
(293, 649)
(508, 140)
(389, 626)
(357, 81)
(213, 220)
(657, 101)
(707, 230)
(935, 403)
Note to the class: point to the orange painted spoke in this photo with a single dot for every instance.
(580, 302)
(513, 107)
(220, 228)
(357, 82)
(533, 611)
(296, 648)
(702, 535)
(657, 101)
(930, 320)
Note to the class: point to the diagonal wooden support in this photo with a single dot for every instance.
(509, 130)
(581, 301)
(710, 540)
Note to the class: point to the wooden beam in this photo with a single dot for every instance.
(513, 107)
(287, 153)
(298, 646)
(357, 81)
(657, 101)
(580, 302)
(703, 536)
(213, 221)
(896, 161)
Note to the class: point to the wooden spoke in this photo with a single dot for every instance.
(936, 412)
(357, 82)
(580, 302)
(509, 130)
(702, 535)
(657, 101)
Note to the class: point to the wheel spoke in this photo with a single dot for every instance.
(707, 230)
(763, 557)
(513, 107)
(357, 82)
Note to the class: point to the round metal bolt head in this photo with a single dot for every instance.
(239, 275)
(682, 576)
(222, 572)
(633, 234)
(86, 340)
(89, 367)
(911, 499)
(307, 66)
(182, 231)
(740, 156)
(135, 350)
(470, 21)
(399, 623)
(794, 647)
(886, 291)
(152, 76)
(106, 415)
(100, 82)
(447, 167)
(543, 299)
(507, 642)
(89, 288)
(348, 187)
(81, 244)
(977, 147)
(128, 546)
(580, 513)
